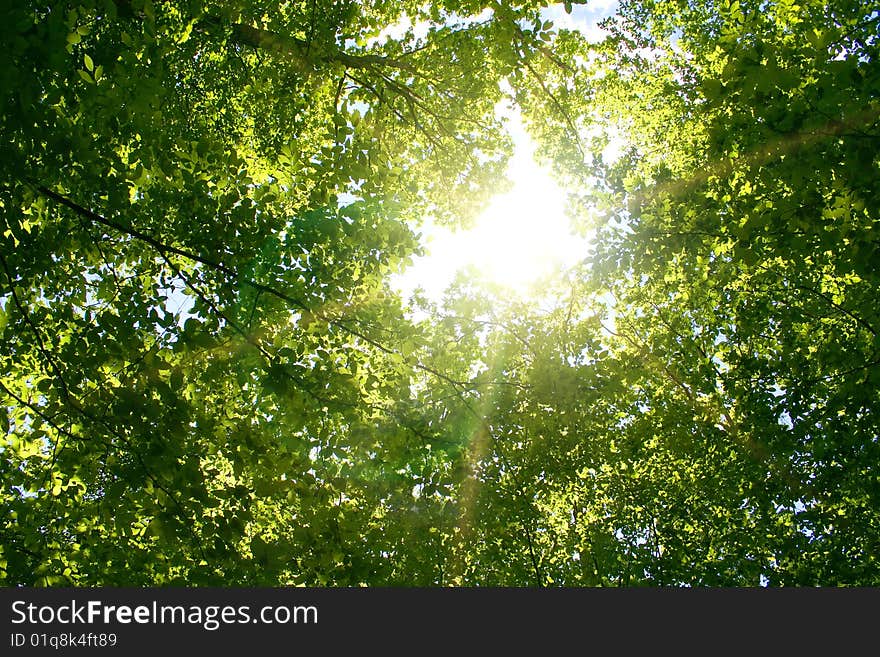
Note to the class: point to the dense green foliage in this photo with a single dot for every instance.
(207, 379)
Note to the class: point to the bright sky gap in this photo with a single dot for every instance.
(524, 233)
(521, 236)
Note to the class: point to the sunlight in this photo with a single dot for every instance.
(521, 236)
(524, 233)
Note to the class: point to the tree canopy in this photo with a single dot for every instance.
(207, 378)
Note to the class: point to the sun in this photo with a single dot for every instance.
(519, 238)
(524, 233)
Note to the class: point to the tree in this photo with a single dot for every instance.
(201, 205)
(736, 252)
(208, 380)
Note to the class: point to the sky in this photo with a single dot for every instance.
(524, 232)
(520, 236)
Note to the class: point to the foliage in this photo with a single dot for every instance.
(208, 380)
(736, 252)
